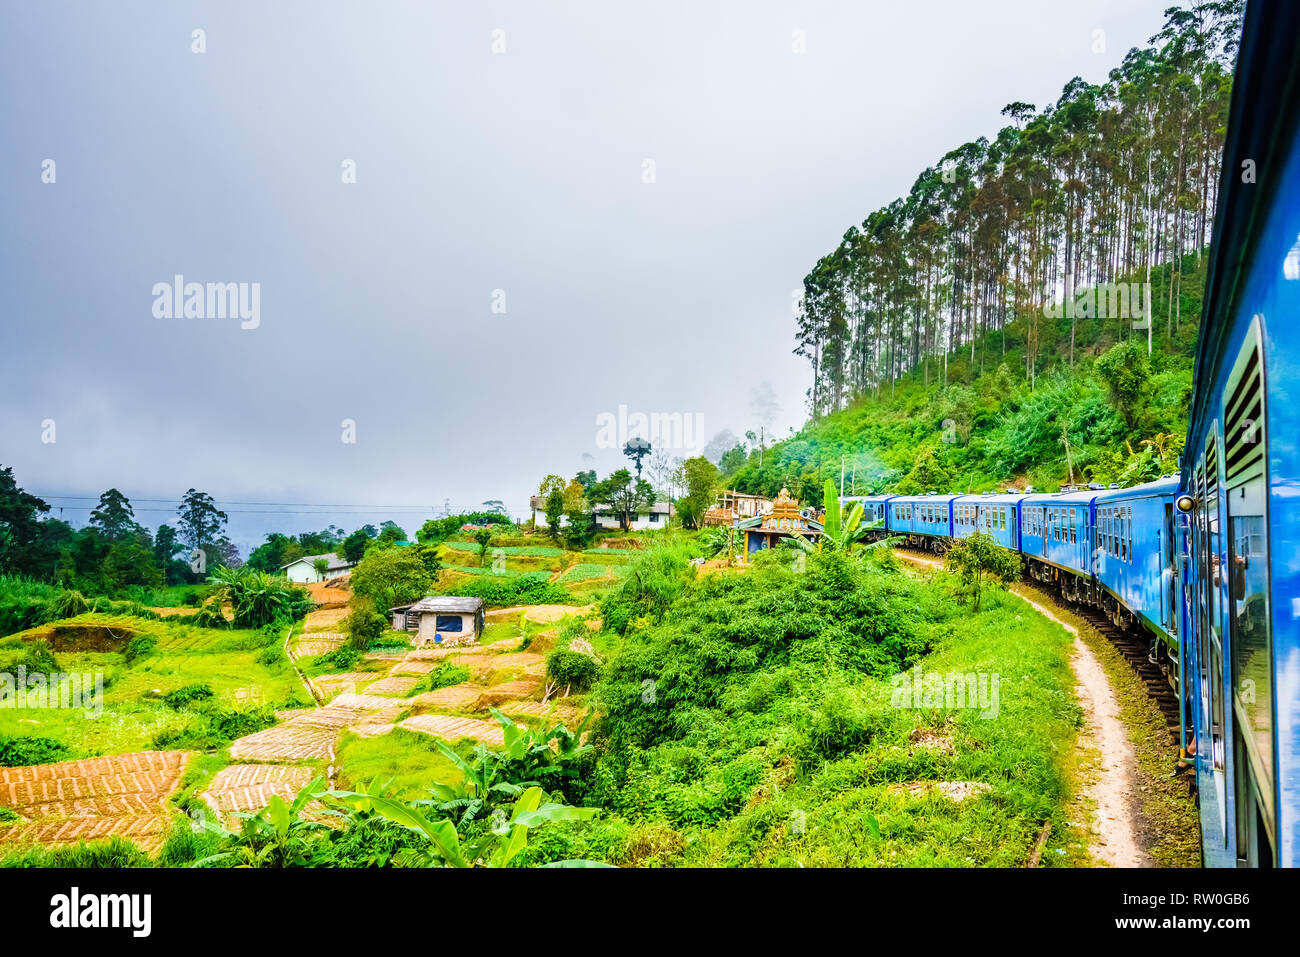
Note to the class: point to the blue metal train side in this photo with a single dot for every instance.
(874, 511)
(924, 519)
(1241, 470)
(1057, 530)
(1134, 551)
(994, 515)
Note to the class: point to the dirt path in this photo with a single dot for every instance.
(1114, 787)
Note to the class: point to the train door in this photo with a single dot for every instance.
(1209, 638)
(1168, 585)
(1249, 616)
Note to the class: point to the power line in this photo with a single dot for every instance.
(95, 498)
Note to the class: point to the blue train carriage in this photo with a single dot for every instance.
(1056, 540)
(1135, 550)
(874, 513)
(996, 515)
(925, 520)
(1241, 470)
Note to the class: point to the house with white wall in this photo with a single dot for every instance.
(303, 570)
(656, 516)
(441, 620)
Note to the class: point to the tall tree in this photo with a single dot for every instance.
(113, 517)
(20, 527)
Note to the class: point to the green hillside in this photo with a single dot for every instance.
(1121, 412)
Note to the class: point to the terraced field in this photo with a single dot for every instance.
(73, 801)
(383, 692)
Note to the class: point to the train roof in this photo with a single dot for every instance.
(932, 497)
(1081, 497)
(1165, 485)
(991, 498)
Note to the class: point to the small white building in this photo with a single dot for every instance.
(303, 570)
(537, 504)
(441, 620)
(654, 517)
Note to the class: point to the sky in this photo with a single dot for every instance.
(472, 240)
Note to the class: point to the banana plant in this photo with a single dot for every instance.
(279, 835)
(840, 532)
(497, 848)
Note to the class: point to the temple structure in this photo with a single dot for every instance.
(784, 521)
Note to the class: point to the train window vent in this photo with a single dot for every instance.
(1243, 433)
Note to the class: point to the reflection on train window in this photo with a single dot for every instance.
(1245, 577)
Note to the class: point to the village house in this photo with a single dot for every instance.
(303, 570)
(441, 620)
(731, 506)
(656, 516)
(785, 520)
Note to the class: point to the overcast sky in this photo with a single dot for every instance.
(558, 209)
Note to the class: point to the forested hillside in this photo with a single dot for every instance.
(1028, 312)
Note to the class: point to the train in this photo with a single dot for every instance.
(1203, 565)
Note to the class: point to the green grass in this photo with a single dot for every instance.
(406, 761)
(1170, 817)
(499, 631)
(133, 712)
(807, 761)
(523, 551)
(585, 571)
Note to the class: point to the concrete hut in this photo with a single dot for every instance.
(446, 620)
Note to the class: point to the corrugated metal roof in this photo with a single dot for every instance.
(334, 560)
(444, 603)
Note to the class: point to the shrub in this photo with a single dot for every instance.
(365, 625)
(270, 656)
(340, 659)
(183, 697)
(571, 669)
(210, 615)
(258, 599)
(116, 853)
(215, 727)
(389, 577)
(20, 752)
(531, 589)
(447, 674)
(141, 646)
(979, 560)
(68, 604)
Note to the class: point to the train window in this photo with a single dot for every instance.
(1128, 530)
(1074, 528)
(1249, 615)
